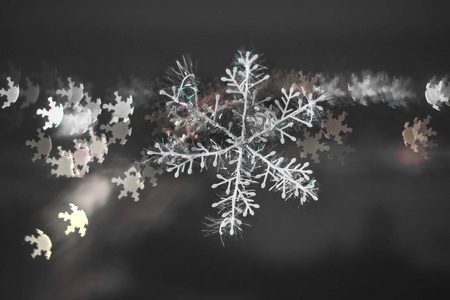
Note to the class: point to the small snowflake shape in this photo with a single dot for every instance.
(334, 127)
(65, 165)
(311, 145)
(43, 243)
(119, 132)
(416, 137)
(12, 93)
(94, 106)
(131, 184)
(122, 110)
(98, 146)
(77, 218)
(54, 115)
(43, 145)
(421, 131)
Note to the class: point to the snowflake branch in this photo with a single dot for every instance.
(288, 179)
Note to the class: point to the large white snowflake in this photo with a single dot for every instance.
(236, 137)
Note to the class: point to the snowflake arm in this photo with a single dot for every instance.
(177, 155)
(288, 178)
(239, 201)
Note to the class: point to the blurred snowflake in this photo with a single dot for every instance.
(43, 145)
(131, 184)
(42, 242)
(77, 219)
(417, 136)
(11, 93)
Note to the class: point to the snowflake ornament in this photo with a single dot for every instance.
(119, 132)
(121, 110)
(311, 145)
(11, 93)
(31, 93)
(43, 146)
(437, 94)
(334, 127)
(65, 165)
(77, 219)
(131, 184)
(234, 136)
(42, 242)
(54, 115)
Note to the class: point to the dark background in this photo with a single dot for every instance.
(380, 229)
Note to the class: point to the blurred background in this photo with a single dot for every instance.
(380, 229)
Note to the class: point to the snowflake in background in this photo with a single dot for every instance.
(65, 165)
(98, 146)
(77, 219)
(119, 131)
(12, 93)
(54, 115)
(131, 184)
(334, 127)
(121, 110)
(235, 135)
(417, 136)
(42, 242)
(43, 146)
